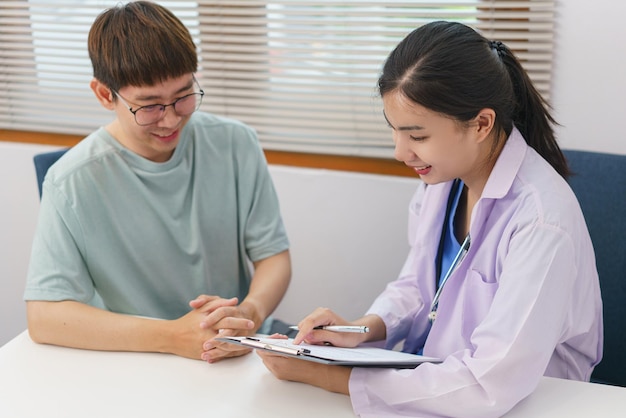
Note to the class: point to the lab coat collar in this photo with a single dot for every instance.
(507, 166)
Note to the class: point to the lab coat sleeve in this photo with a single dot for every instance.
(507, 352)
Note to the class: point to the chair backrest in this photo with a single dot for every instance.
(599, 182)
(43, 162)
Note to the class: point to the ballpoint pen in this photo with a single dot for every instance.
(340, 328)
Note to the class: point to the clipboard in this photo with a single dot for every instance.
(339, 356)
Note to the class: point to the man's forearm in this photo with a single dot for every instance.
(75, 324)
(269, 284)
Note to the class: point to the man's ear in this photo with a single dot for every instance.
(485, 121)
(103, 94)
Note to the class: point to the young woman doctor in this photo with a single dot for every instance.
(500, 282)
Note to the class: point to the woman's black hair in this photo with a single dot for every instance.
(451, 69)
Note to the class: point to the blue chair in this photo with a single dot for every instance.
(599, 182)
(43, 162)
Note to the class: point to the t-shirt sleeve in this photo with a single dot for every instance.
(264, 232)
(57, 269)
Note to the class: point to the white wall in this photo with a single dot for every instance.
(347, 230)
(589, 79)
(18, 215)
(348, 237)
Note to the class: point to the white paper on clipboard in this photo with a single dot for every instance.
(356, 357)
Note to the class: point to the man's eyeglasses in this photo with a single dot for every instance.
(147, 115)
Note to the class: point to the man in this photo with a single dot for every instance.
(147, 227)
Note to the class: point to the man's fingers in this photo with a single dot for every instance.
(226, 317)
(210, 304)
(218, 353)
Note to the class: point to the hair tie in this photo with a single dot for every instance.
(499, 47)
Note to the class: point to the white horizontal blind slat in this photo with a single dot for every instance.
(302, 73)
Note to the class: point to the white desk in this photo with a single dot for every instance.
(47, 381)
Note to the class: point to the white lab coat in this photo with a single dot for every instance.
(524, 302)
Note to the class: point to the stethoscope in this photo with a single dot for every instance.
(432, 315)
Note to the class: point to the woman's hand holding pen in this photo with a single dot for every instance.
(332, 378)
(309, 330)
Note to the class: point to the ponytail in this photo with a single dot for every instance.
(530, 113)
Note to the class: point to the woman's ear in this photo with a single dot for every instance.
(103, 94)
(485, 121)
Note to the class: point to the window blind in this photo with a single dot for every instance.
(302, 73)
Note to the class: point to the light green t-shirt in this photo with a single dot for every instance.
(149, 237)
